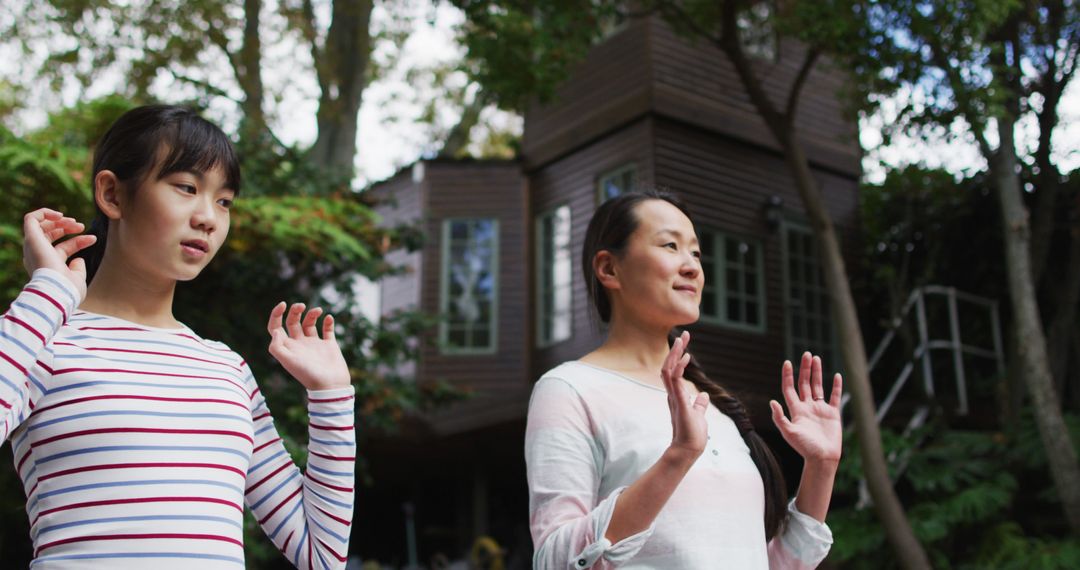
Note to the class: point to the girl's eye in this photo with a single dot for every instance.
(186, 188)
(696, 254)
(672, 245)
(226, 203)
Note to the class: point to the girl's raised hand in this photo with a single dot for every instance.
(41, 228)
(315, 361)
(688, 427)
(814, 429)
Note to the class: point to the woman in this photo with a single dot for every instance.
(138, 442)
(637, 459)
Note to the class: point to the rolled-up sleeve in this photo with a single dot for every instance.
(563, 458)
(803, 544)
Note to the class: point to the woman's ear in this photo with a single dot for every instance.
(604, 268)
(107, 194)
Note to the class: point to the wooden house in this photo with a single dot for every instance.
(502, 257)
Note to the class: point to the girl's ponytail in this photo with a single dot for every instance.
(93, 254)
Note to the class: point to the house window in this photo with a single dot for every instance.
(554, 276)
(615, 182)
(470, 249)
(757, 34)
(809, 316)
(734, 293)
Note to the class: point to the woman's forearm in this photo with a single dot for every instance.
(637, 507)
(815, 487)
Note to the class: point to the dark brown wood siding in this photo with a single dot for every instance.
(498, 382)
(609, 88)
(696, 82)
(648, 68)
(572, 181)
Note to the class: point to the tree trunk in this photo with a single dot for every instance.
(781, 125)
(1066, 304)
(342, 80)
(857, 374)
(1046, 193)
(1031, 343)
(458, 138)
(249, 75)
(1074, 372)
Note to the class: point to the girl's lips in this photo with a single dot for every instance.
(686, 289)
(195, 248)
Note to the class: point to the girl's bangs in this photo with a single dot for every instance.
(195, 145)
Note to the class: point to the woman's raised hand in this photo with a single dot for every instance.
(688, 427)
(41, 228)
(315, 361)
(814, 429)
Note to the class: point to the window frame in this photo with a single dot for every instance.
(786, 226)
(444, 290)
(611, 173)
(539, 315)
(719, 279)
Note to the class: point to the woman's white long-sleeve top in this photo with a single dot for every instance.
(593, 432)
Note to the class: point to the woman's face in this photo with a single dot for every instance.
(173, 226)
(659, 273)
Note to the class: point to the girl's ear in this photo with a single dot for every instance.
(604, 268)
(107, 194)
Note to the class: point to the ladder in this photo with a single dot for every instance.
(921, 356)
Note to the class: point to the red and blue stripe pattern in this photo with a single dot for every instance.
(141, 446)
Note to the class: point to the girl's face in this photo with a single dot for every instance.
(659, 277)
(172, 226)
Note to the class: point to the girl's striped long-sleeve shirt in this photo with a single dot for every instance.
(141, 446)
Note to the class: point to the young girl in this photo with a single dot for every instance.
(629, 465)
(138, 442)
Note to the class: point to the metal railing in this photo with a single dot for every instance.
(921, 356)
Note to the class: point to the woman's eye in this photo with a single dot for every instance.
(225, 203)
(186, 188)
(672, 245)
(696, 254)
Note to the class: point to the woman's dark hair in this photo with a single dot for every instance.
(169, 138)
(609, 230)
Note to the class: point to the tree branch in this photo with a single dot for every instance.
(959, 89)
(800, 80)
(217, 37)
(672, 9)
(205, 86)
(778, 124)
(307, 28)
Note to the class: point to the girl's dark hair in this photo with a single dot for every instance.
(168, 138)
(609, 230)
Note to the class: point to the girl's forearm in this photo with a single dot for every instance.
(637, 507)
(815, 487)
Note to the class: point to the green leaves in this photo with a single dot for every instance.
(518, 50)
(974, 501)
(296, 235)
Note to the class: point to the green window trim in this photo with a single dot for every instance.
(722, 303)
(549, 291)
(805, 298)
(468, 329)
